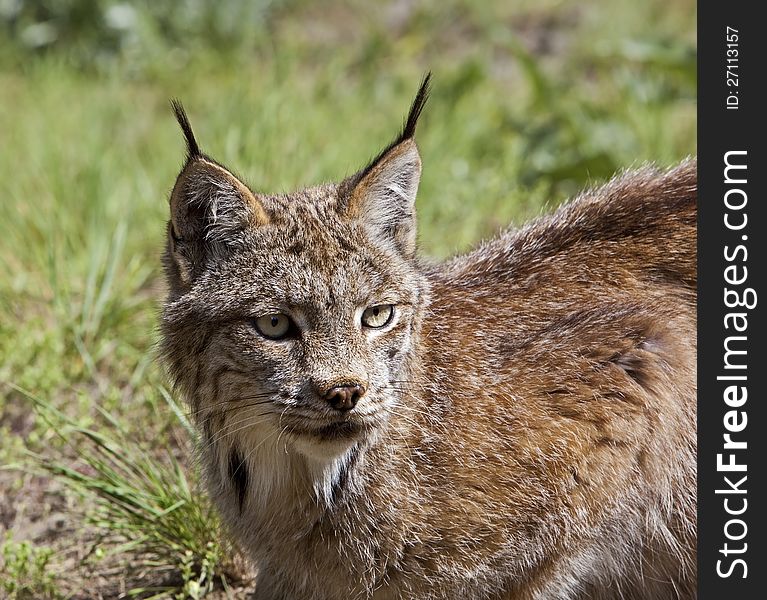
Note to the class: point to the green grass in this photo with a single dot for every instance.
(25, 571)
(531, 102)
(142, 502)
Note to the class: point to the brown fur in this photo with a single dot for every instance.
(528, 425)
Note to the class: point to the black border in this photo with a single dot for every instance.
(721, 130)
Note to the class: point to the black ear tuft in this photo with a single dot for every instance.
(191, 144)
(408, 131)
(382, 195)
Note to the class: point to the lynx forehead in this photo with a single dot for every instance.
(361, 441)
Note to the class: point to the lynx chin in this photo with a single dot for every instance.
(515, 423)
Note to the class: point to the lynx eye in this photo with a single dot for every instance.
(274, 326)
(377, 316)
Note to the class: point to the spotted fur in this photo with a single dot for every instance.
(528, 425)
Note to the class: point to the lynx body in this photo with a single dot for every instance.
(515, 423)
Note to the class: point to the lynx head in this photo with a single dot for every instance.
(292, 317)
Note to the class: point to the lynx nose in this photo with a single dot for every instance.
(344, 397)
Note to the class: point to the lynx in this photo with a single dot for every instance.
(515, 423)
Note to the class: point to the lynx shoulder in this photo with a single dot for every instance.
(515, 423)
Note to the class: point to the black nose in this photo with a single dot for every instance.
(344, 397)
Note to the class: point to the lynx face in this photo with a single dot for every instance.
(290, 317)
(286, 317)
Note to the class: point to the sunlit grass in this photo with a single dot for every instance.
(142, 506)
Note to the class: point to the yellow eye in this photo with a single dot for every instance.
(377, 316)
(275, 326)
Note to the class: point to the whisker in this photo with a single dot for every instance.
(265, 398)
(249, 421)
(246, 405)
(238, 406)
(406, 418)
(418, 384)
(403, 388)
(279, 424)
(414, 409)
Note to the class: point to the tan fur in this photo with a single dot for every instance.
(528, 425)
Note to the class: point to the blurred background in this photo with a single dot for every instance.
(532, 101)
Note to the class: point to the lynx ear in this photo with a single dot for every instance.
(382, 195)
(209, 208)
